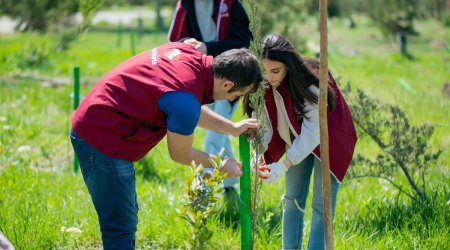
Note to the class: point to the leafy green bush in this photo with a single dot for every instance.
(199, 203)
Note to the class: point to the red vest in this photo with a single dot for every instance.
(341, 131)
(178, 30)
(120, 116)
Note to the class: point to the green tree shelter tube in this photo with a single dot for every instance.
(76, 102)
(245, 194)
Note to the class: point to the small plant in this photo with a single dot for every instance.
(33, 57)
(256, 101)
(402, 146)
(66, 39)
(70, 35)
(88, 9)
(199, 202)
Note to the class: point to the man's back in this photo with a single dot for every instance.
(122, 107)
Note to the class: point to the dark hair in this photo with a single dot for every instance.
(299, 76)
(240, 66)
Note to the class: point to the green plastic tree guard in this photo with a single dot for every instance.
(245, 194)
(76, 102)
(132, 45)
(119, 35)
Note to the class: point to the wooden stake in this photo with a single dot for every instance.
(324, 156)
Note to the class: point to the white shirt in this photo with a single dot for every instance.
(204, 13)
(309, 138)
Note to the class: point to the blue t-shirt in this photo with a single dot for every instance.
(182, 110)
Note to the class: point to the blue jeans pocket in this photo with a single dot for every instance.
(84, 152)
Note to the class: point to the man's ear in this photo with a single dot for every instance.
(227, 84)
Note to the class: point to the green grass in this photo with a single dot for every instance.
(40, 194)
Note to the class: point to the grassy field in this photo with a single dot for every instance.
(41, 196)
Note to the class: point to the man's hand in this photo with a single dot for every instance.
(191, 41)
(200, 46)
(232, 168)
(272, 173)
(244, 126)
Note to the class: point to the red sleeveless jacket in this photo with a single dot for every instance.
(120, 116)
(178, 29)
(342, 134)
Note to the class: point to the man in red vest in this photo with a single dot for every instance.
(156, 93)
(214, 26)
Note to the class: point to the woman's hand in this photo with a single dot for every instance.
(254, 162)
(272, 173)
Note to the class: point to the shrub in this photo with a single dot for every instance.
(403, 147)
(199, 203)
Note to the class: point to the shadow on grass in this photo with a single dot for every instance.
(268, 222)
(148, 171)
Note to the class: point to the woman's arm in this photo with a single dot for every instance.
(309, 138)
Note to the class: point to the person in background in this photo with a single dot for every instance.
(159, 92)
(5, 244)
(212, 27)
(291, 102)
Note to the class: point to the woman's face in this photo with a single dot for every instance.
(275, 71)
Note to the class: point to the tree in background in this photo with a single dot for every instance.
(38, 14)
(280, 16)
(395, 18)
(333, 8)
(438, 9)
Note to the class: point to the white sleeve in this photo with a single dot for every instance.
(309, 137)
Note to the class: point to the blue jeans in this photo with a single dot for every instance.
(112, 185)
(214, 141)
(297, 188)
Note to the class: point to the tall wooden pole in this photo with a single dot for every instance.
(324, 149)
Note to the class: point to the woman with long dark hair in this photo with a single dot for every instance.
(291, 106)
